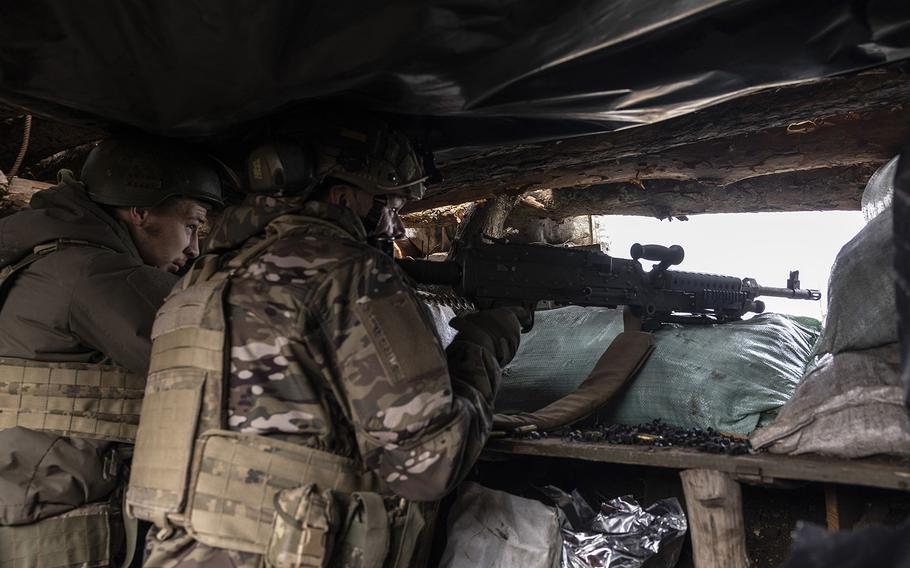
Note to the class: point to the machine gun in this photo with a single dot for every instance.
(498, 273)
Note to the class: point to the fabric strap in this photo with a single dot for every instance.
(80, 537)
(619, 363)
(39, 252)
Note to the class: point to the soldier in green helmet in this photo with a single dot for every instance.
(300, 409)
(84, 269)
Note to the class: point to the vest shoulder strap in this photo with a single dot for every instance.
(39, 252)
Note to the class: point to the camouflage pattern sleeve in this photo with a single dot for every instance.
(412, 428)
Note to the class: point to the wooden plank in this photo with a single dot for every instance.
(891, 473)
(714, 507)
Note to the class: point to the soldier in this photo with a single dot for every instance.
(317, 408)
(85, 268)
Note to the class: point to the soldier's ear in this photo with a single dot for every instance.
(339, 195)
(136, 216)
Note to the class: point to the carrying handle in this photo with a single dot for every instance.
(668, 256)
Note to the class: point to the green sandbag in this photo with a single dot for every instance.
(700, 376)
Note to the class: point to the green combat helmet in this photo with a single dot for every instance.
(139, 173)
(373, 158)
(376, 159)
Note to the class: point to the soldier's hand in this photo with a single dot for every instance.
(497, 330)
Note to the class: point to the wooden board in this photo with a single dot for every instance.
(889, 473)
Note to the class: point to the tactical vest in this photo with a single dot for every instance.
(81, 400)
(296, 506)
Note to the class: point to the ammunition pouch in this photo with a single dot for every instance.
(294, 505)
(241, 477)
(71, 399)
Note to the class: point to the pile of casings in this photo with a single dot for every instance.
(658, 434)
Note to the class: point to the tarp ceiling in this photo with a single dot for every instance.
(463, 72)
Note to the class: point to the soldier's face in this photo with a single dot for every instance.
(380, 215)
(383, 220)
(167, 236)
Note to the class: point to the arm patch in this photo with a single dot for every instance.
(407, 345)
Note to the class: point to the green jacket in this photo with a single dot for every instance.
(79, 304)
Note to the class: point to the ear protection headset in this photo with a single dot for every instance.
(282, 169)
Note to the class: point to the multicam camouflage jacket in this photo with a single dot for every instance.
(330, 348)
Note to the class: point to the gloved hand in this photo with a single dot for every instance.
(497, 330)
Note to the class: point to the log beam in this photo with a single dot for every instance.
(848, 125)
(818, 189)
(486, 218)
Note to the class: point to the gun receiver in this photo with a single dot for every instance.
(503, 274)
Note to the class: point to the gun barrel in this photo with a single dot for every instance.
(445, 273)
(792, 293)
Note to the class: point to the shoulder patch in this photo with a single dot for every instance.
(407, 347)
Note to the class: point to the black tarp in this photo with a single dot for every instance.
(466, 72)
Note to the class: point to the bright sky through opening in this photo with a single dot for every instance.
(764, 246)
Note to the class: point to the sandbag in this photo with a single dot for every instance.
(879, 192)
(849, 405)
(722, 376)
(494, 528)
(861, 300)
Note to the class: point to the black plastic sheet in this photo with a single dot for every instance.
(462, 72)
(902, 262)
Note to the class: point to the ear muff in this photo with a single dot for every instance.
(282, 169)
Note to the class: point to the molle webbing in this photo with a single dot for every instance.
(183, 398)
(232, 501)
(71, 399)
(80, 537)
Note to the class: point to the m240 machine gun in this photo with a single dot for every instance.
(498, 273)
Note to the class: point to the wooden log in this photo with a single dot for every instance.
(715, 512)
(845, 122)
(17, 193)
(486, 218)
(817, 189)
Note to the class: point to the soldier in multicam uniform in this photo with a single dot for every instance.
(85, 268)
(326, 348)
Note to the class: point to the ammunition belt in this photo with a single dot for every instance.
(441, 296)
